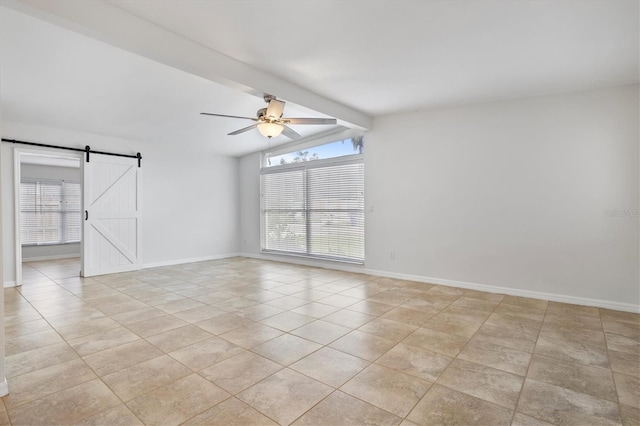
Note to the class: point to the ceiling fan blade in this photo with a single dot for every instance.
(310, 120)
(275, 109)
(290, 133)
(228, 116)
(245, 129)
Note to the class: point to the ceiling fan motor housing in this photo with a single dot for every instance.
(270, 122)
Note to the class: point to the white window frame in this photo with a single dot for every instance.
(309, 142)
(307, 165)
(62, 212)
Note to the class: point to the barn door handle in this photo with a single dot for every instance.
(86, 215)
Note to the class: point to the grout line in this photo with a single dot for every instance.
(173, 275)
(456, 357)
(79, 357)
(515, 410)
(613, 377)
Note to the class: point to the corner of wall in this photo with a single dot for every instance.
(4, 387)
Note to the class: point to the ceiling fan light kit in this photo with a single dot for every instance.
(270, 122)
(270, 130)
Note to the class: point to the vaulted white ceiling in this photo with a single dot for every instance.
(144, 69)
(387, 56)
(55, 77)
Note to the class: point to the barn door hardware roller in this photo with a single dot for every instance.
(86, 150)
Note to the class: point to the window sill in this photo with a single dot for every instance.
(312, 257)
(50, 244)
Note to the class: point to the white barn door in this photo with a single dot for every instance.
(111, 227)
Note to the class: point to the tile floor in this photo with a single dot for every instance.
(242, 341)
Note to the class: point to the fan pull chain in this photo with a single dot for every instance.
(269, 151)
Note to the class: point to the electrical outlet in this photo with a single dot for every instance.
(371, 208)
(392, 255)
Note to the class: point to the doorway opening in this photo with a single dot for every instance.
(48, 214)
(109, 204)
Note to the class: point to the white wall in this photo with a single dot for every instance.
(68, 174)
(249, 171)
(189, 198)
(50, 251)
(4, 387)
(508, 194)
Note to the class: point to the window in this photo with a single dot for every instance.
(49, 212)
(334, 149)
(315, 208)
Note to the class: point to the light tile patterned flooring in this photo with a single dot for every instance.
(242, 341)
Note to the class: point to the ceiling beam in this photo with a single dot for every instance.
(108, 23)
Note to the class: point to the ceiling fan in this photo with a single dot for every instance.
(270, 122)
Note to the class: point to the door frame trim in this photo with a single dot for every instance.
(18, 154)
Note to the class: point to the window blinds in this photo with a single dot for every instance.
(315, 210)
(49, 212)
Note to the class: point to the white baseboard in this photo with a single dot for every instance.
(191, 260)
(299, 260)
(554, 297)
(53, 257)
(618, 306)
(4, 387)
(163, 263)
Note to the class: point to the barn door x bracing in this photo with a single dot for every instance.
(111, 229)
